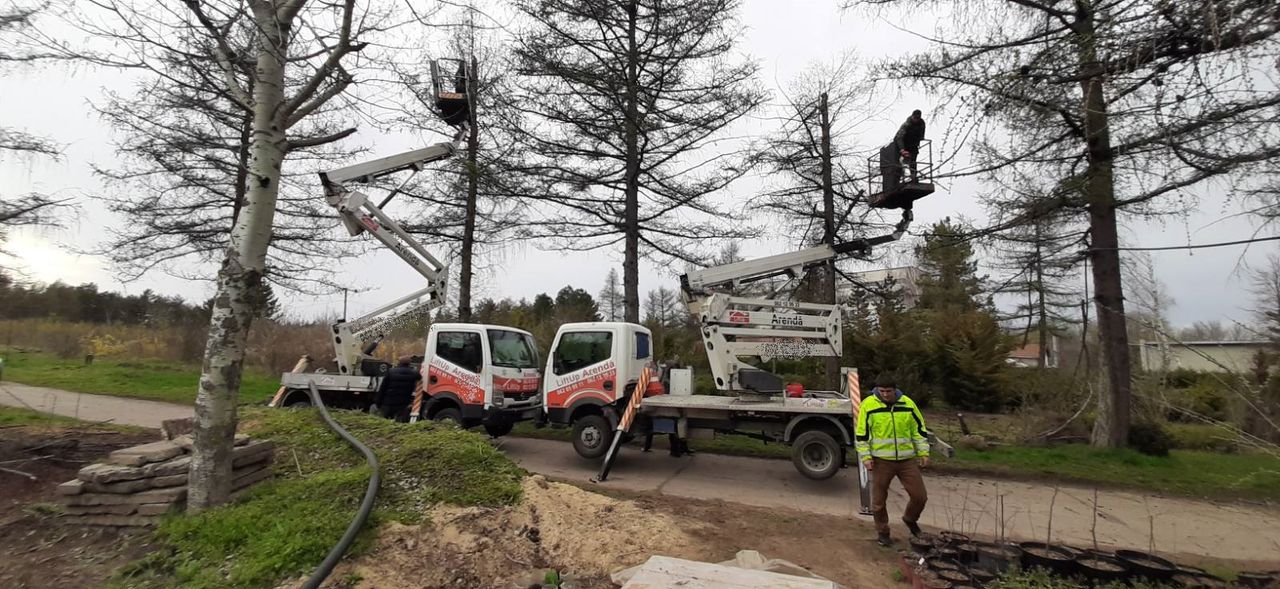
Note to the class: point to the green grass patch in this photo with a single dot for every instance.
(17, 416)
(1184, 472)
(283, 528)
(1040, 579)
(144, 379)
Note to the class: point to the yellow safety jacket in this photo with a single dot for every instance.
(890, 432)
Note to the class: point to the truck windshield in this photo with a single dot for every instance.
(512, 349)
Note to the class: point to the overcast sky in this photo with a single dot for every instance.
(1205, 285)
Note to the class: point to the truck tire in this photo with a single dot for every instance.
(591, 436)
(449, 415)
(816, 455)
(498, 429)
(303, 403)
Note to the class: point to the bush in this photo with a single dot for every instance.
(1149, 438)
(1204, 398)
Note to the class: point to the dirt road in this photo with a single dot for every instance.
(1125, 519)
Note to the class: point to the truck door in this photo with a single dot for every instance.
(582, 369)
(456, 371)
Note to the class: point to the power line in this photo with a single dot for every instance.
(1189, 246)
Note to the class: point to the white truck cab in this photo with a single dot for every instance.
(590, 370)
(479, 374)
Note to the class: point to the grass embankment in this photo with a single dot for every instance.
(284, 527)
(143, 379)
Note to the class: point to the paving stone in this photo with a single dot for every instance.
(152, 496)
(120, 488)
(187, 442)
(251, 477)
(71, 487)
(178, 465)
(123, 509)
(111, 473)
(145, 454)
(112, 520)
(156, 508)
(169, 481)
(243, 461)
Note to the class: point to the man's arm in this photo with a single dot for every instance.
(899, 139)
(861, 437)
(920, 437)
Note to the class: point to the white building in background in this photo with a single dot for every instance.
(1206, 356)
(905, 280)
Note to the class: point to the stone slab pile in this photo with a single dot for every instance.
(135, 486)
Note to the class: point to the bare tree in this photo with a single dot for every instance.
(624, 101)
(1151, 303)
(611, 297)
(472, 201)
(273, 69)
(16, 23)
(811, 159)
(1127, 103)
(1040, 258)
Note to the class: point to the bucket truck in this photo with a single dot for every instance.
(472, 374)
(593, 386)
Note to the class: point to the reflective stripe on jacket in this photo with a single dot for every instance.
(894, 432)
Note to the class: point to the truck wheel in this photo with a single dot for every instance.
(816, 455)
(591, 436)
(498, 429)
(449, 415)
(302, 403)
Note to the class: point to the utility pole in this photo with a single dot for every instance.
(828, 286)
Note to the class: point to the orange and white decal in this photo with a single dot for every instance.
(586, 383)
(450, 378)
(520, 384)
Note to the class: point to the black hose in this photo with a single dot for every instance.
(366, 506)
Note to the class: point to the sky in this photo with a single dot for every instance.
(1205, 285)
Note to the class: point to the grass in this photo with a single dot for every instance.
(1039, 579)
(1183, 472)
(283, 528)
(142, 379)
(17, 416)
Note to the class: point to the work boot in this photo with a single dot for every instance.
(884, 540)
(913, 526)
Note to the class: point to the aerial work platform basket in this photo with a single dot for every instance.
(450, 81)
(894, 182)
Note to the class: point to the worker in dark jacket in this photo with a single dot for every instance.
(893, 443)
(396, 392)
(908, 139)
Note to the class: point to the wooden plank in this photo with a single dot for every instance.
(662, 572)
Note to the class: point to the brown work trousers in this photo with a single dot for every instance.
(907, 471)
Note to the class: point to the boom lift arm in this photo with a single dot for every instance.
(734, 326)
(354, 340)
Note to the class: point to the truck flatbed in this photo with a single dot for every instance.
(674, 405)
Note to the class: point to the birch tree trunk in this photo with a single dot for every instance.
(241, 273)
